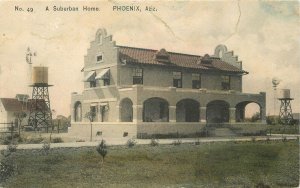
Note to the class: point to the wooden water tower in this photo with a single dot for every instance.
(40, 112)
(285, 113)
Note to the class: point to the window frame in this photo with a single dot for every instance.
(136, 77)
(102, 57)
(196, 83)
(177, 82)
(225, 82)
(106, 79)
(93, 83)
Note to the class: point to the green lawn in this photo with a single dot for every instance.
(241, 164)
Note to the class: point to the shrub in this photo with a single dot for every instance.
(80, 140)
(102, 149)
(35, 140)
(7, 169)
(262, 185)
(46, 148)
(154, 142)
(57, 140)
(6, 140)
(7, 163)
(177, 142)
(12, 147)
(130, 143)
(197, 142)
(284, 139)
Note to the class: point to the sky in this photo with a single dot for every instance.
(263, 34)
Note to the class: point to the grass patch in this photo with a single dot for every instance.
(284, 129)
(244, 164)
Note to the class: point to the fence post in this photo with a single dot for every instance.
(11, 132)
(58, 123)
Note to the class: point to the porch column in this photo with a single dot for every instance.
(263, 115)
(137, 113)
(232, 115)
(118, 109)
(202, 115)
(172, 114)
(98, 113)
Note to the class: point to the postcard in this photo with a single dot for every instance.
(164, 73)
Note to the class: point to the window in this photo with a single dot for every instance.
(137, 76)
(99, 58)
(93, 83)
(196, 81)
(225, 82)
(106, 82)
(177, 79)
(106, 78)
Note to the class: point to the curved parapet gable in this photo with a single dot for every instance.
(220, 50)
(227, 56)
(100, 34)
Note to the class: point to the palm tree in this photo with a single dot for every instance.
(91, 116)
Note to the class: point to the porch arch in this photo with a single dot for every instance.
(155, 109)
(126, 111)
(241, 110)
(78, 112)
(217, 111)
(187, 110)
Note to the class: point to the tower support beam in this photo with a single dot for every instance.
(40, 111)
(285, 113)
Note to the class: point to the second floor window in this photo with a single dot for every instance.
(137, 76)
(196, 81)
(225, 84)
(177, 79)
(106, 79)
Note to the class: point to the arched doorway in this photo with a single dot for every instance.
(248, 111)
(217, 112)
(156, 110)
(126, 113)
(187, 110)
(78, 112)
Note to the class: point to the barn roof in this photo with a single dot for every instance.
(14, 105)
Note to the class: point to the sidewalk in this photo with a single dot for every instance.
(122, 141)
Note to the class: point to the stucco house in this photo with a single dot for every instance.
(144, 92)
(10, 106)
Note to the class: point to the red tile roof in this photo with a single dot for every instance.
(14, 105)
(147, 56)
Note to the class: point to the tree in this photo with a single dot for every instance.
(102, 149)
(91, 116)
(20, 116)
(255, 117)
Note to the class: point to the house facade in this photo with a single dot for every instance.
(138, 91)
(10, 106)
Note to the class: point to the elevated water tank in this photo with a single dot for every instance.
(285, 94)
(40, 75)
